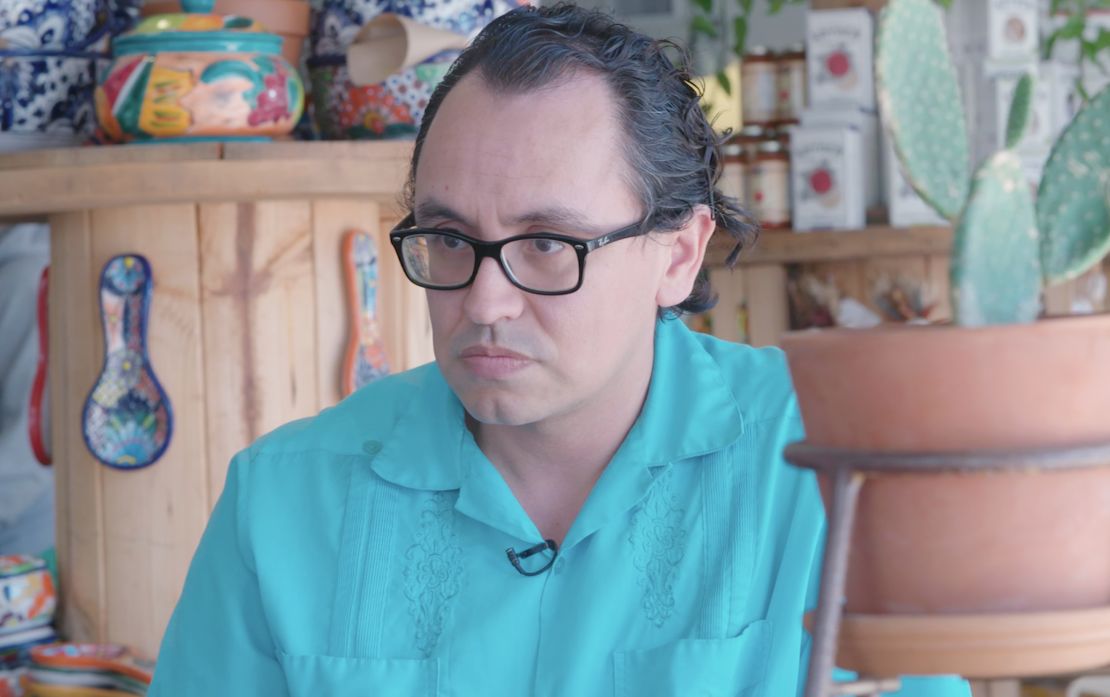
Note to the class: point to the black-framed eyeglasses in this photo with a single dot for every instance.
(545, 263)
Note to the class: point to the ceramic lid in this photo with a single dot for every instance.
(197, 29)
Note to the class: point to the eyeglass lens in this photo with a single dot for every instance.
(445, 261)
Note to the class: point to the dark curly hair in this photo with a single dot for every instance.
(672, 150)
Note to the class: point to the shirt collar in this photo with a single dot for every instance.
(690, 410)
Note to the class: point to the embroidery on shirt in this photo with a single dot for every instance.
(432, 569)
(658, 540)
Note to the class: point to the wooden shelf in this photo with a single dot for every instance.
(786, 247)
(51, 181)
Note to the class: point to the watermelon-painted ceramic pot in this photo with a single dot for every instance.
(198, 76)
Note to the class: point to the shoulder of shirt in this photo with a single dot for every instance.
(759, 378)
(368, 413)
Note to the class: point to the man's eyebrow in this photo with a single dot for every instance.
(555, 215)
(436, 210)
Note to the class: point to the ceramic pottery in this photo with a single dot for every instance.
(287, 18)
(335, 23)
(27, 595)
(108, 666)
(36, 415)
(51, 24)
(48, 91)
(198, 76)
(364, 360)
(1029, 540)
(390, 109)
(127, 420)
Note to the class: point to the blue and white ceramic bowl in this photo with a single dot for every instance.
(49, 91)
(335, 23)
(51, 24)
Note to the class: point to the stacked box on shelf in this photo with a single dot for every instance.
(834, 149)
(826, 178)
(866, 122)
(994, 43)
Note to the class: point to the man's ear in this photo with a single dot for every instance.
(686, 249)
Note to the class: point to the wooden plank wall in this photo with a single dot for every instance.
(247, 331)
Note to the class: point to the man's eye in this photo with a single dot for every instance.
(543, 246)
(449, 243)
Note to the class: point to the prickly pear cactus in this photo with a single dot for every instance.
(919, 95)
(1074, 194)
(1021, 106)
(996, 270)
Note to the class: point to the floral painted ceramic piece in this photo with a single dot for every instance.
(390, 109)
(36, 415)
(51, 24)
(365, 359)
(394, 108)
(110, 663)
(127, 420)
(336, 22)
(198, 76)
(27, 594)
(48, 91)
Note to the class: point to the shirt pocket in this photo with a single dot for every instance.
(311, 676)
(732, 667)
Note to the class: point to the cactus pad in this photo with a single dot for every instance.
(996, 270)
(1021, 106)
(919, 96)
(1074, 194)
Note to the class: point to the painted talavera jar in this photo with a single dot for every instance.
(198, 76)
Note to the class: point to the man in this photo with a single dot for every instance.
(580, 497)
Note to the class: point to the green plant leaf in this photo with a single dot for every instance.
(724, 82)
(702, 25)
(919, 97)
(705, 5)
(740, 30)
(1073, 28)
(996, 269)
(1071, 202)
(1021, 107)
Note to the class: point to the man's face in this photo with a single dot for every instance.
(494, 166)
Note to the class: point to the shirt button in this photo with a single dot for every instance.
(371, 447)
(559, 564)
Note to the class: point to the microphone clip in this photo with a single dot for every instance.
(514, 557)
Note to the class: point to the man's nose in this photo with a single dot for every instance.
(492, 297)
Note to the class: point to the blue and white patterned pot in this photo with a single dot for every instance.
(48, 91)
(335, 23)
(51, 24)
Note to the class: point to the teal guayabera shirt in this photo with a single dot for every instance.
(362, 553)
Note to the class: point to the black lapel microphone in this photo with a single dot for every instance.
(515, 558)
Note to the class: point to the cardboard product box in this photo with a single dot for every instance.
(867, 123)
(1000, 32)
(1013, 27)
(839, 58)
(826, 165)
(904, 205)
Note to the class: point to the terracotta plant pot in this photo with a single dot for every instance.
(985, 542)
(288, 18)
